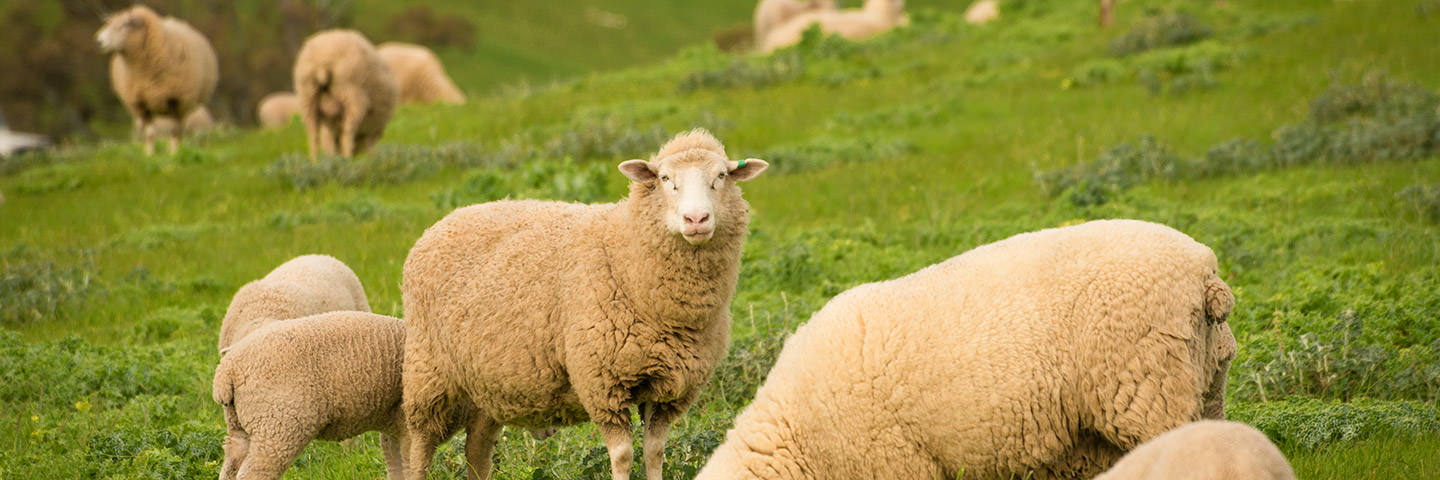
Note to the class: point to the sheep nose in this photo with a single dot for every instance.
(696, 218)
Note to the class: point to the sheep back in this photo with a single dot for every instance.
(1204, 450)
(305, 285)
(419, 74)
(276, 109)
(1053, 351)
(339, 77)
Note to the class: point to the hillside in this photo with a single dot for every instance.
(1300, 140)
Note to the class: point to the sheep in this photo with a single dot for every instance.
(1047, 354)
(1204, 450)
(874, 18)
(620, 305)
(772, 13)
(276, 109)
(330, 376)
(160, 68)
(346, 91)
(305, 285)
(198, 121)
(982, 12)
(420, 75)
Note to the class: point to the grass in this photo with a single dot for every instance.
(888, 155)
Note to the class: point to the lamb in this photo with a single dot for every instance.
(982, 12)
(276, 109)
(330, 376)
(197, 121)
(772, 13)
(305, 285)
(1204, 450)
(160, 68)
(621, 305)
(874, 18)
(1045, 355)
(346, 91)
(420, 75)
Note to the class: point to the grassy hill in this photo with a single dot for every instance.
(1298, 139)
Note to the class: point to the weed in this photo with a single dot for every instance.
(36, 291)
(1309, 423)
(821, 152)
(1423, 199)
(747, 73)
(1159, 30)
(388, 164)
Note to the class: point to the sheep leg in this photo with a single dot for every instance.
(616, 432)
(327, 138)
(236, 444)
(312, 130)
(269, 456)
(394, 456)
(348, 131)
(480, 438)
(176, 135)
(658, 418)
(1106, 8)
(148, 130)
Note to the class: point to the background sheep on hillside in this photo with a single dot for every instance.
(874, 18)
(305, 285)
(419, 74)
(1204, 450)
(1051, 352)
(982, 11)
(160, 68)
(346, 91)
(772, 13)
(551, 313)
(276, 109)
(330, 376)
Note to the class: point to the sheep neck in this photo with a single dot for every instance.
(151, 59)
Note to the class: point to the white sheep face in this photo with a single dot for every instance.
(690, 186)
(118, 29)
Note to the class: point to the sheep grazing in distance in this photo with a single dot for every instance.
(419, 74)
(160, 68)
(1204, 450)
(330, 376)
(982, 12)
(621, 305)
(1045, 355)
(276, 109)
(305, 285)
(346, 91)
(772, 13)
(874, 18)
(198, 121)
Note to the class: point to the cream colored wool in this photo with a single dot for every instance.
(347, 93)
(1204, 450)
(330, 376)
(874, 18)
(305, 285)
(160, 68)
(982, 11)
(773, 13)
(420, 75)
(276, 109)
(198, 121)
(550, 313)
(1050, 353)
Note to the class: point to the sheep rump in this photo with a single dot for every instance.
(276, 109)
(874, 18)
(161, 68)
(1204, 450)
(419, 74)
(303, 286)
(1050, 352)
(347, 93)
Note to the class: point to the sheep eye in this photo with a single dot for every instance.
(665, 178)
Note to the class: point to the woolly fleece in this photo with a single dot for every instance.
(420, 75)
(549, 313)
(347, 93)
(874, 18)
(772, 13)
(160, 68)
(1053, 352)
(1204, 450)
(305, 285)
(277, 108)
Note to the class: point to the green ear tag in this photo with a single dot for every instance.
(742, 163)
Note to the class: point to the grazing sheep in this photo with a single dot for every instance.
(161, 68)
(874, 18)
(305, 285)
(773, 13)
(346, 91)
(276, 109)
(982, 12)
(330, 376)
(1049, 353)
(419, 74)
(1204, 450)
(551, 313)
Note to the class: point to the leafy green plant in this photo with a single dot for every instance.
(37, 291)
(1309, 423)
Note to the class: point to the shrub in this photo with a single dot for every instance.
(820, 152)
(36, 291)
(1116, 170)
(1159, 30)
(1424, 199)
(388, 164)
(747, 73)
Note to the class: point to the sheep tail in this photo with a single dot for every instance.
(1218, 299)
(322, 78)
(222, 390)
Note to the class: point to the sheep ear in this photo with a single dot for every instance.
(747, 169)
(637, 170)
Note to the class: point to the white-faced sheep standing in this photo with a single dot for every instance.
(1204, 450)
(773, 13)
(160, 68)
(346, 91)
(550, 313)
(874, 18)
(276, 109)
(330, 376)
(1050, 353)
(419, 74)
(305, 285)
